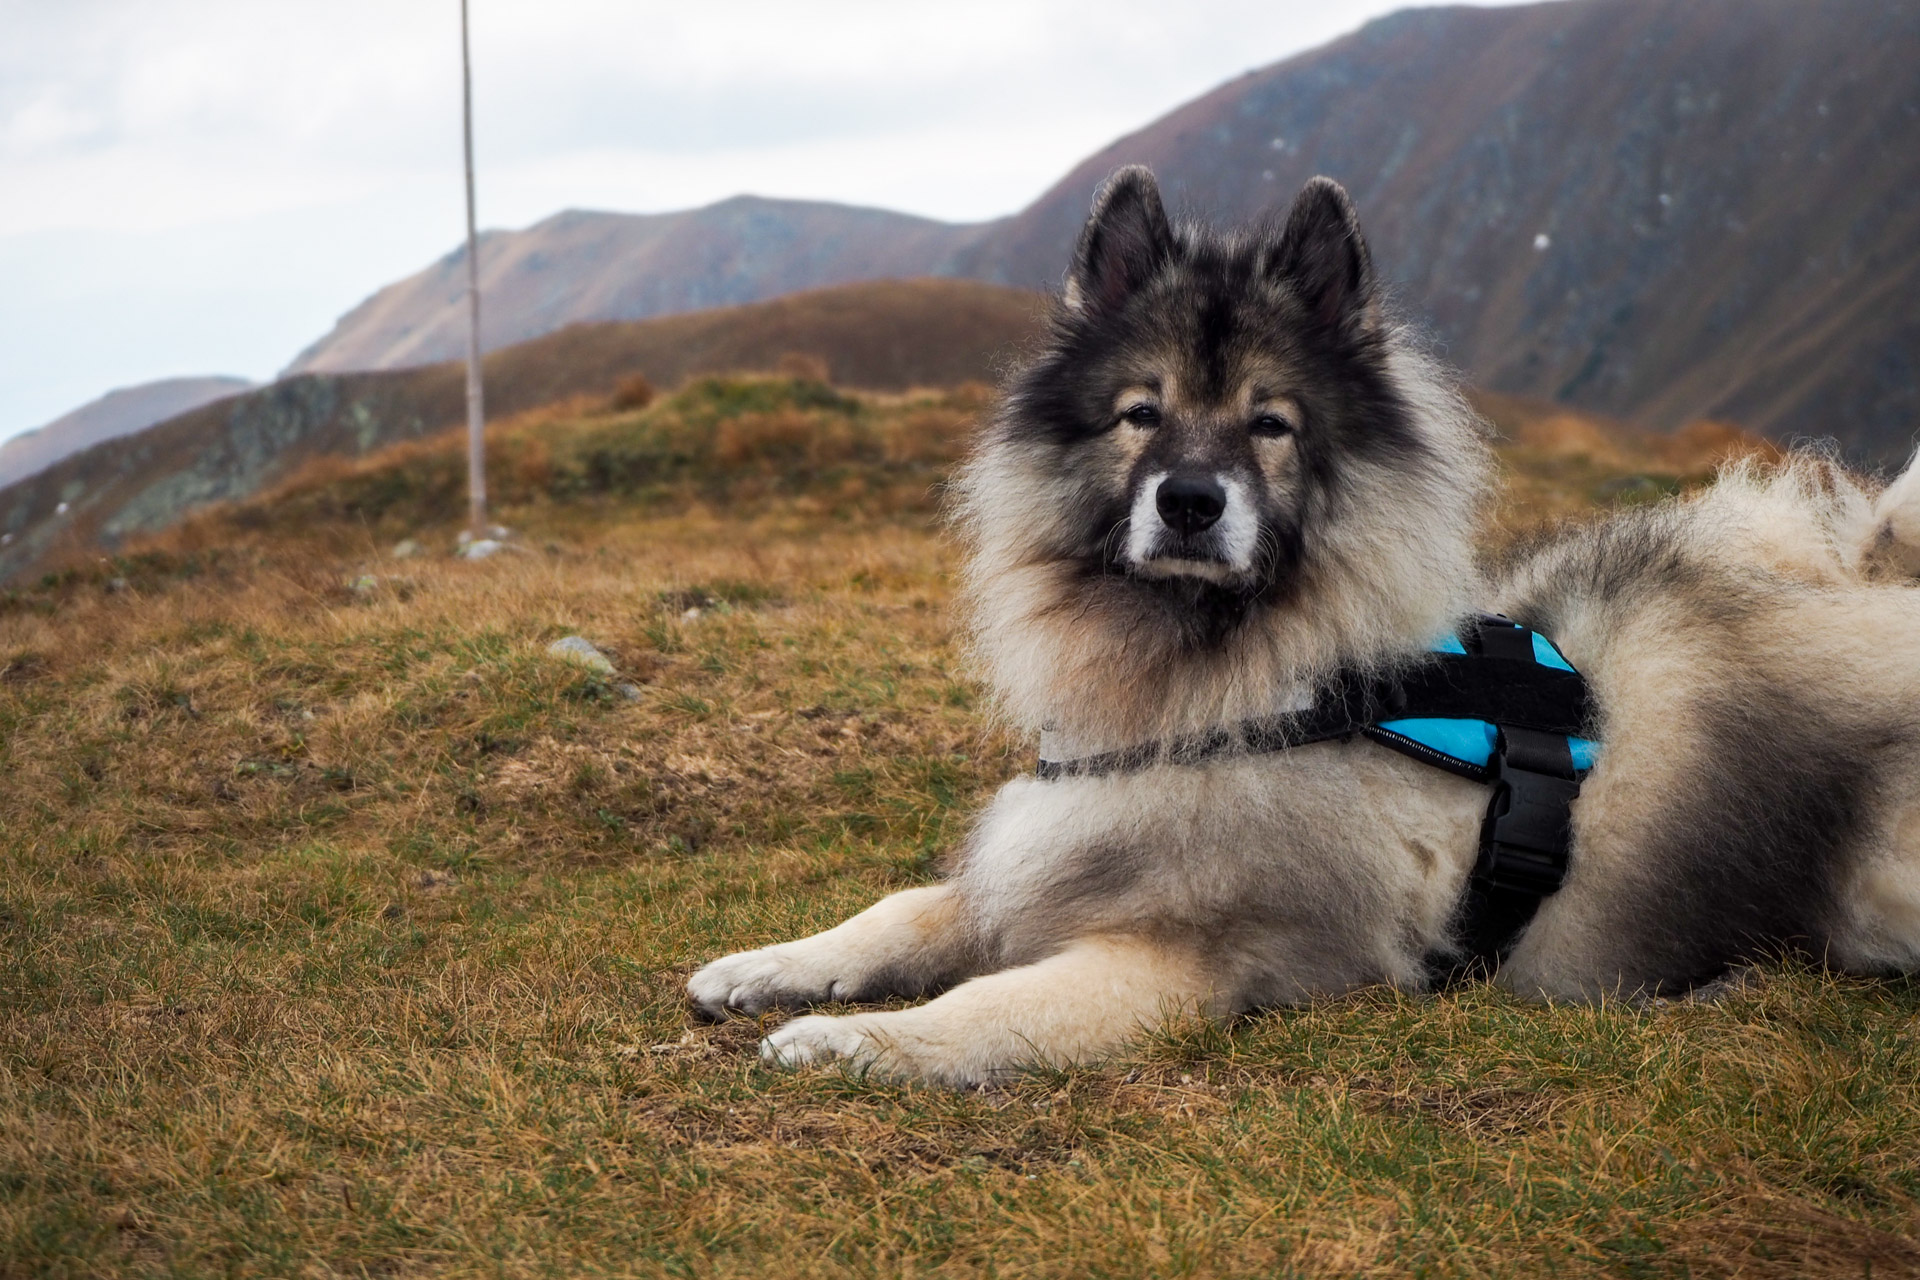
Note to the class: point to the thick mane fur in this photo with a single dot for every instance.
(1386, 564)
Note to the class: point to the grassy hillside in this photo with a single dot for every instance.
(886, 335)
(345, 928)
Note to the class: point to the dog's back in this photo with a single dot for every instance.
(1756, 685)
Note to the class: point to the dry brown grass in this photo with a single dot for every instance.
(346, 930)
(635, 391)
(1559, 463)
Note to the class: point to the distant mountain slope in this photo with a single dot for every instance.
(1660, 210)
(882, 336)
(1657, 209)
(117, 413)
(581, 266)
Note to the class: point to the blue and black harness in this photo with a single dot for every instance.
(1498, 704)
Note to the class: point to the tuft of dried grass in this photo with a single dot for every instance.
(632, 392)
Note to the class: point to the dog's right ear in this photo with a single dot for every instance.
(1124, 242)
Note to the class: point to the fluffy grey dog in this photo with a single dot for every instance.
(1228, 475)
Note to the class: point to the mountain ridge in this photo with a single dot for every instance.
(120, 412)
(1715, 180)
(584, 265)
(1658, 210)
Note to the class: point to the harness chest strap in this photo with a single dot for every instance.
(1498, 704)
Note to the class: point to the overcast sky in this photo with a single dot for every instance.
(203, 186)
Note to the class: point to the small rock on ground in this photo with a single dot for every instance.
(580, 650)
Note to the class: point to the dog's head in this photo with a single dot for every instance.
(1206, 393)
(1227, 460)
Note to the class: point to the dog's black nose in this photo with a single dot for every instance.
(1190, 503)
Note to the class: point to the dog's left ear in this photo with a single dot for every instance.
(1324, 257)
(1125, 241)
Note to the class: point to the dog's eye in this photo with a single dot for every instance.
(1142, 415)
(1271, 424)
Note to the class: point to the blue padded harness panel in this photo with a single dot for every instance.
(1471, 743)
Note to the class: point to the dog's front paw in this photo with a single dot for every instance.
(752, 982)
(816, 1039)
(885, 1046)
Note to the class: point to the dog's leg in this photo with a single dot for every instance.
(1078, 1005)
(904, 945)
(1892, 548)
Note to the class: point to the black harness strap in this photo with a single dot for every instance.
(1507, 691)
(1527, 834)
(1525, 840)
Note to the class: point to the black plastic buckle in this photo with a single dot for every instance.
(1528, 830)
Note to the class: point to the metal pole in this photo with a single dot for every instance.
(476, 411)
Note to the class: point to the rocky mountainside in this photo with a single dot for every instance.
(882, 336)
(1659, 209)
(582, 266)
(117, 413)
